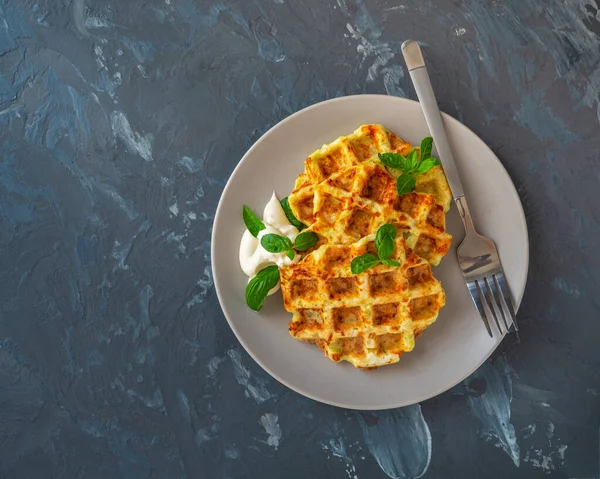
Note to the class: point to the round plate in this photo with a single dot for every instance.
(449, 350)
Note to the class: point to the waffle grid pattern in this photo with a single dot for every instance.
(345, 194)
(369, 319)
(358, 200)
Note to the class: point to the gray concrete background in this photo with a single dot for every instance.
(120, 124)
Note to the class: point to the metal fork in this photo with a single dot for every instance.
(477, 255)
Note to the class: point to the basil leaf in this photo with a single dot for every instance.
(384, 241)
(258, 288)
(393, 160)
(290, 254)
(412, 161)
(363, 263)
(386, 248)
(275, 243)
(427, 164)
(285, 204)
(426, 147)
(390, 262)
(405, 184)
(306, 240)
(252, 222)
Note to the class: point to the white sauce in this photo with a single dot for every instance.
(253, 257)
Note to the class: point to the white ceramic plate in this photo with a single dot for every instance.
(448, 351)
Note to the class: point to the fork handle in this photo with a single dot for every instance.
(422, 83)
(465, 214)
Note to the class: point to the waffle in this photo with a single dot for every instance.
(346, 193)
(368, 319)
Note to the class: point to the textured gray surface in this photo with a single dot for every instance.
(120, 123)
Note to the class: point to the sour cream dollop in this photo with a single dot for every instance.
(253, 257)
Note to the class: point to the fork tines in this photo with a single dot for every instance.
(492, 299)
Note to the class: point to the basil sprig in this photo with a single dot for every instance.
(363, 263)
(426, 147)
(305, 241)
(405, 183)
(411, 165)
(285, 204)
(252, 222)
(384, 243)
(390, 262)
(275, 243)
(258, 288)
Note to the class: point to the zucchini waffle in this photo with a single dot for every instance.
(345, 193)
(369, 319)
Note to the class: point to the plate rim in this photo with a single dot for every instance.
(518, 297)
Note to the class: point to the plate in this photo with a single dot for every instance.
(448, 351)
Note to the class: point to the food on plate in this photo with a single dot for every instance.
(274, 240)
(355, 184)
(357, 200)
(353, 245)
(371, 318)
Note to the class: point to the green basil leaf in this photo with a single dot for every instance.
(258, 288)
(405, 184)
(363, 263)
(285, 204)
(275, 243)
(393, 160)
(390, 262)
(427, 164)
(306, 240)
(412, 161)
(290, 254)
(426, 147)
(386, 248)
(252, 222)
(384, 241)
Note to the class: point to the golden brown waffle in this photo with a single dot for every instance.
(356, 201)
(368, 319)
(346, 193)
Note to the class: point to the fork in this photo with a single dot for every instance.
(477, 255)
